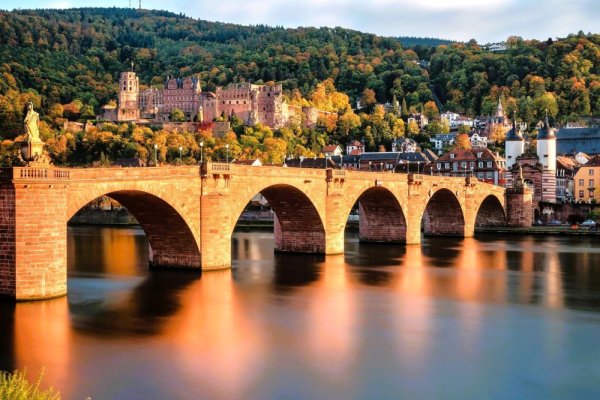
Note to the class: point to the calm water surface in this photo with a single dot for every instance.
(494, 317)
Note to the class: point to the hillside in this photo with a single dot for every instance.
(67, 63)
(78, 54)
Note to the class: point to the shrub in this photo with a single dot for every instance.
(15, 386)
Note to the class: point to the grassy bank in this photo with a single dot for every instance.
(15, 386)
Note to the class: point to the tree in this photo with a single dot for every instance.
(430, 110)
(547, 101)
(368, 99)
(177, 115)
(413, 127)
(462, 142)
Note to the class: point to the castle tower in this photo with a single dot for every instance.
(514, 145)
(129, 85)
(546, 152)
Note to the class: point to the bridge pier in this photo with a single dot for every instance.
(335, 225)
(33, 235)
(215, 232)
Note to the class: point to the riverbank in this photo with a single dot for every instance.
(562, 230)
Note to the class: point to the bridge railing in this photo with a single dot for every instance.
(35, 174)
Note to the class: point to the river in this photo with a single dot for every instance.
(494, 317)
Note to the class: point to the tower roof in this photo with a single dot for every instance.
(515, 133)
(546, 132)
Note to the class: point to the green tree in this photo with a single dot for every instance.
(177, 115)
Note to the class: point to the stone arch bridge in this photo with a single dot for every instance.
(189, 213)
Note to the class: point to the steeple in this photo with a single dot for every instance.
(499, 109)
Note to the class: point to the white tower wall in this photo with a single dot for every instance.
(513, 149)
(546, 151)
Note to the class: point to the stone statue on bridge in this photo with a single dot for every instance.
(31, 124)
(32, 149)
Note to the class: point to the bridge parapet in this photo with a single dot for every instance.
(133, 173)
(34, 174)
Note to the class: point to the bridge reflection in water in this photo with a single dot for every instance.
(380, 319)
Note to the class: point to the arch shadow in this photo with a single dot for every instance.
(380, 216)
(172, 243)
(443, 215)
(490, 213)
(297, 224)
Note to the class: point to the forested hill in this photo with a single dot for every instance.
(77, 54)
(67, 54)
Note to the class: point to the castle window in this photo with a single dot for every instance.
(591, 172)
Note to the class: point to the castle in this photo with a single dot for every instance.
(251, 103)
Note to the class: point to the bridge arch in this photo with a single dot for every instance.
(172, 240)
(490, 212)
(381, 217)
(298, 224)
(443, 215)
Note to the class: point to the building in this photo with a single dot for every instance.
(539, 169)
(477, 141)
(565, 173)
(575, 140)
(355, 148)
(442, 140)
(332, 150)
(404, 145)
(252, 104)
(482, 163)
(586, 180)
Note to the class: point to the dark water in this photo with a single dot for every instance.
(488, 318)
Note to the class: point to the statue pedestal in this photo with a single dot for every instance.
(33, 154)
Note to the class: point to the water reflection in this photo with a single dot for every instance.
(379, 321)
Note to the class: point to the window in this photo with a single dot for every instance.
(447, 165)
(439, 165)
(480, 164)
(489, 164)
(591, 172)
(581, 182)
(455, 165)
(472, 164)
(480, 175)
(591, 183)
(452, 155)
(581, 193)
(463, 165)
(490, 175)
(479, 155)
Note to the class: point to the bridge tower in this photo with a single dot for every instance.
(546, 152)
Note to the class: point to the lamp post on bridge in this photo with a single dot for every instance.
(155, 155)
(227, 153)
(301, 158)
(369, 166)
(201, 152)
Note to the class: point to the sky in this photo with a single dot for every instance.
(486, 21)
